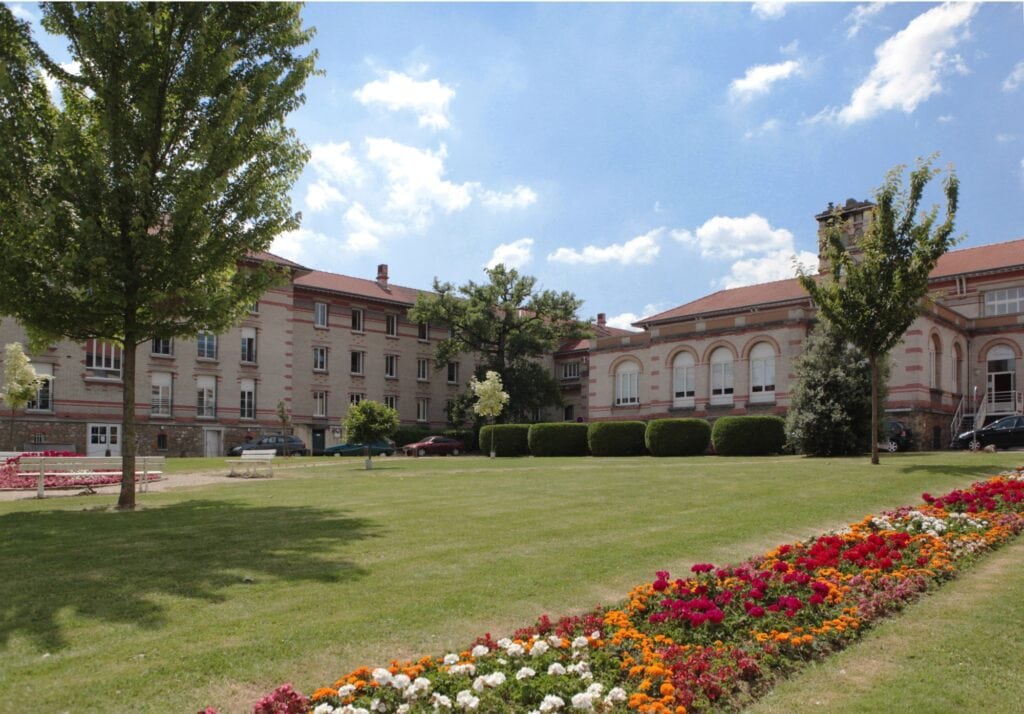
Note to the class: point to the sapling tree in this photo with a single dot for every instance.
(367, 422)
(21, 383)
(491, 398)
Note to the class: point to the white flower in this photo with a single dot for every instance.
(515, 649)
(451, 659)
(417, 688)
(580, 643)
(539, 648)
(381, 676)
(467, 668)
(525, 673)
(324, 708)
(466, 700)
(616, 696)
(403, 709)
(378, 706)
(552, 703)
(504, 642)
(595, 635)
(400, 681)
(440, 701)
(596, 689)
(480, 651)
(556, 669)
(555, 641)
(353, 710)
(584, 701)
(347, 690)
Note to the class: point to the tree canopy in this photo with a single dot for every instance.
(876, 283)
(131, 203)
(370, 421)
(509, 325)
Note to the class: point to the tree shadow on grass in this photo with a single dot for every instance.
(979, 469)
(116, 566)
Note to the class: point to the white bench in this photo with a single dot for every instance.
(85, 467)
(252, 461)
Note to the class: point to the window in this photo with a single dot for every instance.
(161, 442)
(391, 366)
(569, 413)
(319, 314)
(422, 369)
(721, 376)
(357, 319)
(762, 373)
(206, 397)
(1004, 302)
(935, 362)
(355, 398)
(1001, 379)
(162, 347)
(683, 380)
(453, 373)
(357, 362)
(247, 399)
(627, 384)
(570, 370)
(160, 394)
(423, 333)
(422, 409)
(103, 359)
(958, 369)
(319, 404)
(43, 400)
(254, 308)
(391, 401)
(391, 325)
(249, 344)
(319, 359)
(206, 345)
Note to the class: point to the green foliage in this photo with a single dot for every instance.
(748, 435)
(677, 437)
(505, 439)
(616, 438)
(131, 210)
(878, 281)
(508, 325)
(20, 381)
(830, 404)
(410, 434)
(558, 439)
(490, 397)
(369, 421)
(468, 437)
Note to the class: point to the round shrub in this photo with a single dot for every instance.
(505, 439)
(616, 438)
(677, 437)
(559, 439)
(748, 435)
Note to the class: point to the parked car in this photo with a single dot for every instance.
(434, 445)
(1006, 433)
(282, 445)
(898, 436)
(377, 448)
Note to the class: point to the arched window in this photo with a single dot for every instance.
(958, 368)
(721, 376)
(935, 362)
(627, 383)
(762, 373)
(1002, 379)
(682, 380)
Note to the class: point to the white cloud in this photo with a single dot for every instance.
(774, 266)
(770, 126)
(860, 15)
(769, 9)
(321, 195)
(759, 79)
(724, 237)
(624, 321)
(74, 68)
(946, 119)
(21, 11)
(642, 249)
(294, 245)
(1006, 138)
(335, 163)
(520, 197)
(416, 183)
(1015, 79)
(427, 99)
(910, 65)
(791, 49)
(365, 232)
(513, 255)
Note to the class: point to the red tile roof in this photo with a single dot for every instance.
(780, 291)
(358, 287)
(996, 256)
(270, 257)
(588, 342)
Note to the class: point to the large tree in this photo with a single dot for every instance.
(509, 325)
(131, 204)
(877, 282)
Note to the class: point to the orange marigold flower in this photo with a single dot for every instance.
(666, 689)
(323, 693)
(645, 685)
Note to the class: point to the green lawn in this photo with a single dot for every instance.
(214, 595)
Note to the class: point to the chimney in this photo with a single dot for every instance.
(382, 275)
(601, 319)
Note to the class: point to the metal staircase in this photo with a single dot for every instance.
(978, 407)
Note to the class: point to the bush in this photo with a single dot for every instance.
(748, 435)
(677, 437)
(468, 437)
(505, 439)
(559, 439)
(410, 434)
(616, 438)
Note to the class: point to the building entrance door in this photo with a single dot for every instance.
(318, 442)
(212, 442)
(103, 440)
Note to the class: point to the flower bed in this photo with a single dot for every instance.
(13, 479)
(714, 639)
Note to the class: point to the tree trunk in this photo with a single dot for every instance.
(873, 361)
(126, 501)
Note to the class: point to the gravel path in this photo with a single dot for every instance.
(170, 481)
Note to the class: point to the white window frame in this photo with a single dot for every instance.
(423, 332)
(390, 400)
(161, 347)
(934, 362)
(161, 388)
(320, 314)
(43, 400)
(683, 380)
(248, 354)
(391, 366)
(319, 359)
(453, 373)
(357, 362)
(391, 325)
(627, 384)
(722, 382)
(319, 404)
(105, 360)
(1007, 301)
(355, 397)
(422, 369)
(206, 342)
(423, 409)
(571, 370)
(247, 399)
(358, 320)
(762, 373)
(206, 397)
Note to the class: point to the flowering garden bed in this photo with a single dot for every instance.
(715, 639)
(12, 478)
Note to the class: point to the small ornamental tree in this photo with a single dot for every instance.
(370, 421)
(491, 398)
(20, 382)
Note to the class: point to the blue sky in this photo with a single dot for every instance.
(640, 156)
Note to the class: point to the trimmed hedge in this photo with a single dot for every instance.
(410, 434)
(748, 435)
(466, 436)
(677, 437)
(616, 438)
(508, 439)
(558, 439)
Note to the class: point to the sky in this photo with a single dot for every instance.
(639, 156)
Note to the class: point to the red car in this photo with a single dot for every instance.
(434, 445)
